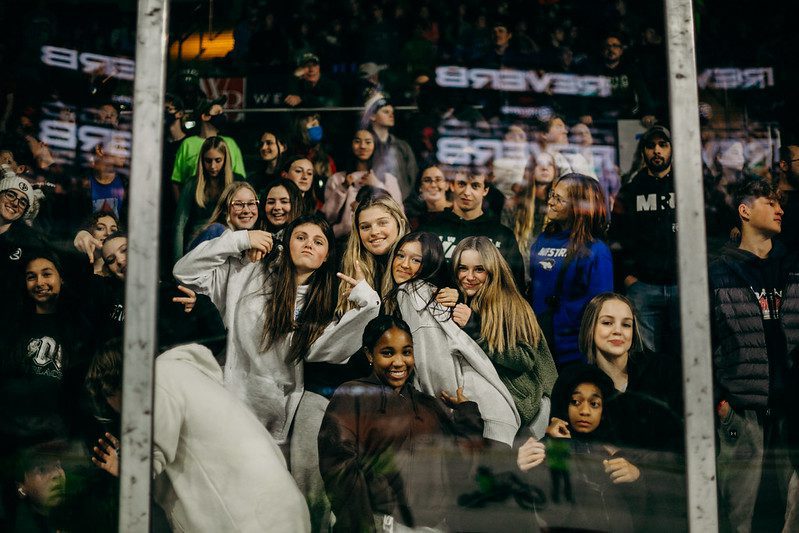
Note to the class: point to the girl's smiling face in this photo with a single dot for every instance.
(407, 262)
(42, 281)
(472, 274)
(243, 209)
(104, 227)
(278, 206)
(392, 358)
(378, 230)
(613, 332)
(363, 145)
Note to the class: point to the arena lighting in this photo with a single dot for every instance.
(213, 47)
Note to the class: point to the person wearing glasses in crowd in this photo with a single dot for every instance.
(236, 209)
(18, 203)
(570, 263)
(432, 196)
(466, 218)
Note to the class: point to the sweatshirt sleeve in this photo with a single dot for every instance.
(167, 425)
(343, 338)
(335, 196)
(205, 269)
(341, 467)
(600, 274)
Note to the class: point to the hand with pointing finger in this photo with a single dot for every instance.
(187, 301)
(453, 401)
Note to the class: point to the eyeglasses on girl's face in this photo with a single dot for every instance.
(556, 198)
(238, 205)
(12, 197)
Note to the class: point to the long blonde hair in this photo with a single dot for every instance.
(506, 318)
(221, 211)
(206, 189)
(524, 216)
(356, 251)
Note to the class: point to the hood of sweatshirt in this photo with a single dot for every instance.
(197, 356)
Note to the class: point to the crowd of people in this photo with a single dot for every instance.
(366, 339)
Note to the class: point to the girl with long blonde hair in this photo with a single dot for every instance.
(499, 319)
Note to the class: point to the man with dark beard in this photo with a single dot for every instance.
(643, 234)
(788, 185)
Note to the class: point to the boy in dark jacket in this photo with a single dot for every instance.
(755, 307)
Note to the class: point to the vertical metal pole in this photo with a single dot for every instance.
(692, 254)
(142, 273)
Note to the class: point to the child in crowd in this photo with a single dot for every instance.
(569, 263)
(592, 471)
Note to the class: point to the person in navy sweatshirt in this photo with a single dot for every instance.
(569, 263)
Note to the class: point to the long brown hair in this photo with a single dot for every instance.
(589, 214)
(209, 189)
(506, 318)
(318, 310)
(590, 318)
(356, 251)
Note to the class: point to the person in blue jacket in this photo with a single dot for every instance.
(570, 263)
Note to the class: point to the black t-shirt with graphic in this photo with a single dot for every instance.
(769, 294)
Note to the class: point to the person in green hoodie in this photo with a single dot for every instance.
(499, 319)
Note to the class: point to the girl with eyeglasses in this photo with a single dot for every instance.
(570, 263)
(199, 196)
(432, 196)
(236, 209)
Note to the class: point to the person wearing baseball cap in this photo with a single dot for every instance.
(309, 88)
(644, 225)
(212, 118)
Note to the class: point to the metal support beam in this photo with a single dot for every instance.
(142, 273)
(692, 254)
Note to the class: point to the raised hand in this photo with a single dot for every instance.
(106, 454)
(261, 243)
(188, 301)
(531, 454)
(558, 429)
(84, 242)
(352, 282)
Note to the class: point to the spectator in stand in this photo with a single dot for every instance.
(448, 358)
(384, 416)
(236, 209)
(630, 97)
(203, 436)
(498, 318)
(643, 236)
(467, 219)
(300, 170)
(272, 151)
(282, 203)
(525, 211)
(201, 194)
(212, 118)
(100, 225)
(107, 185)
(40, 484)
(754, 302)
(18, 202)
(308, 88)
(504, 54)
(174, 114)
(555, 141)
(570, 263)
(342, 187)
(307, 140)
(433, 191)
(45, 356)
(392, 155)
(788, 185)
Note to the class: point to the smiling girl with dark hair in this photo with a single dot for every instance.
(382, 441)
(418, 269)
